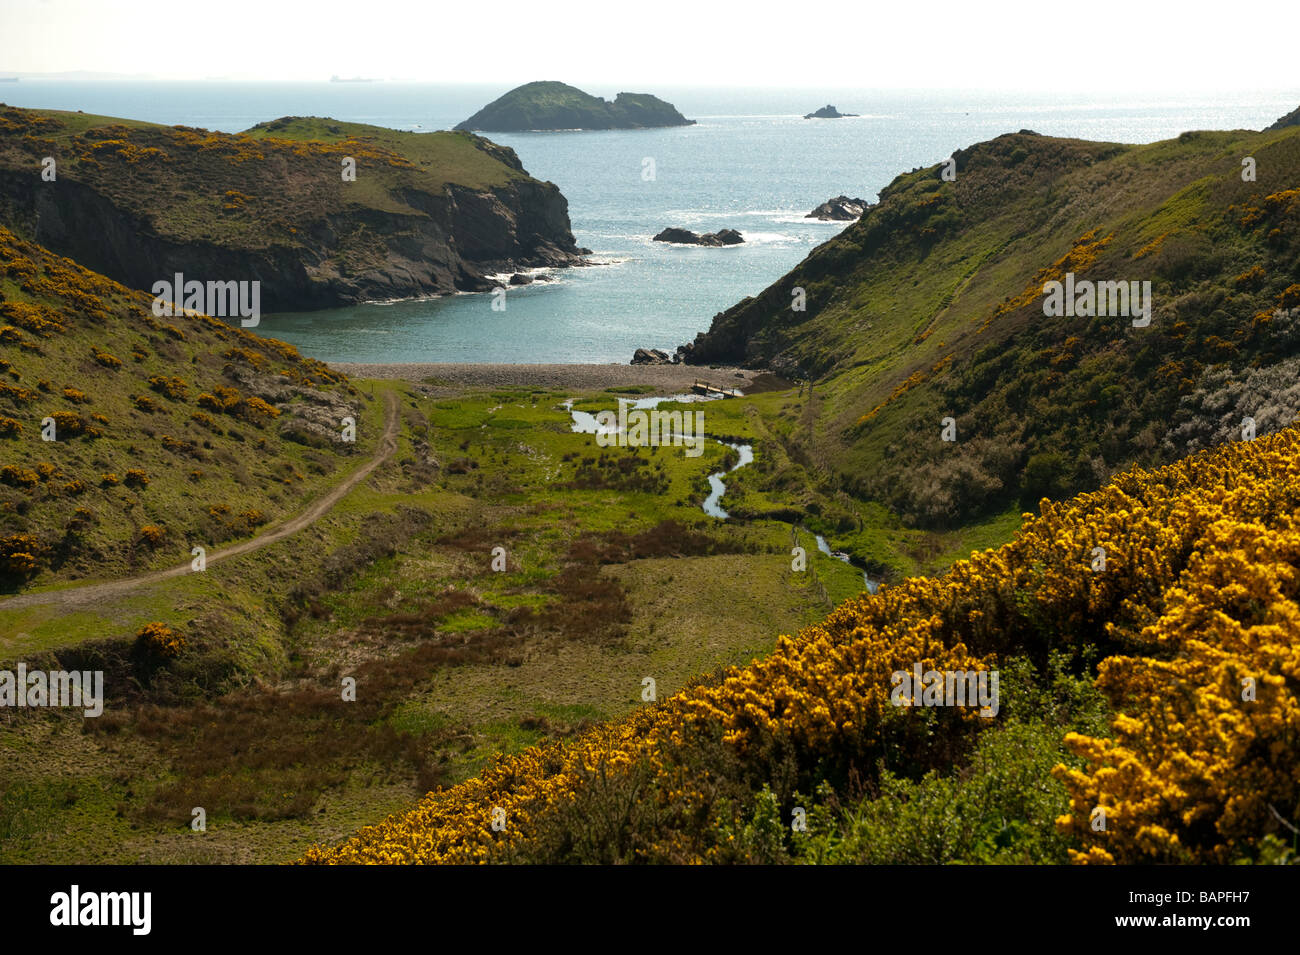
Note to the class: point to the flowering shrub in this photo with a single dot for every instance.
(42, 319)
(105, 359)
(230, 401)
(136, 478)
(173, 388)
(256, 359)
(1206, 749)
(20, 555)
(157, 642)
(16, 393)
(69, 424)
(152, 534)
(16, 476)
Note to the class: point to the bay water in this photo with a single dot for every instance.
(750, 163)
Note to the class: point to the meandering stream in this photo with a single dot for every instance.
(584, 422)
(711, 505)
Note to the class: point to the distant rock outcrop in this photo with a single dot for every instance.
(827, 112)
(1290, 119)
(839, 209)
(552, 105)
(687, 237)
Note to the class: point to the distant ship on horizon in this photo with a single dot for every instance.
(350, 79)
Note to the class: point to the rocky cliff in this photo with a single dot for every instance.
(323, 213)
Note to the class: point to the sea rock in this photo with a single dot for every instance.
(839, 209)
(650, 356)
(827, 112)
(687, 237)
(519, 278)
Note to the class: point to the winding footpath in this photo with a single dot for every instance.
(78, 596)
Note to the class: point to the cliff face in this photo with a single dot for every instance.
(425, 214)
(552, 105)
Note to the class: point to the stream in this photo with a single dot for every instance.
(710, 505)
(584, 422)
(825, 548)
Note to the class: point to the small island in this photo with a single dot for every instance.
(551, 105)
(687, 237)
(827, 112)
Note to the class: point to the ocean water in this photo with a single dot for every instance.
(751, 163)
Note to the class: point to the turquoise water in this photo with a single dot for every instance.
(752, 163)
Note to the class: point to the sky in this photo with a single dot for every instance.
(1111, 45)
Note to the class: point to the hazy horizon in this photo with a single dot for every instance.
(830, 45)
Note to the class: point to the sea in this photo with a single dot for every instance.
(750, 163)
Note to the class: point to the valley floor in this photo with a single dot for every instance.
(612, 573)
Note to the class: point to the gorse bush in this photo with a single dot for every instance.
(157, 642)
(1199, 590)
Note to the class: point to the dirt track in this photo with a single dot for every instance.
(78, 596)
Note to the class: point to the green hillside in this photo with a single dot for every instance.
(321, 212)
(168, 433)
(931, 306)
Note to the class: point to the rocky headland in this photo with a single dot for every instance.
(323, 213)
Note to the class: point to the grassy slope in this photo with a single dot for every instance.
(931, 306)
(263, 188)
(443, 157)
(89, 353)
